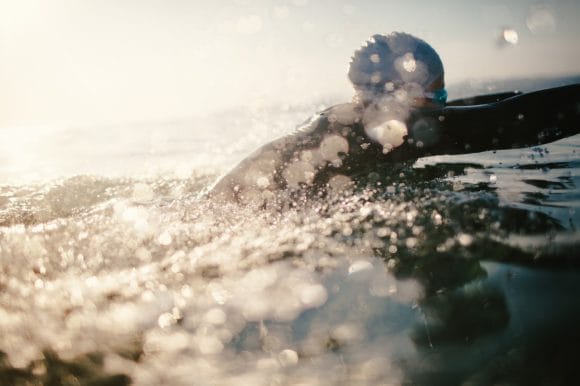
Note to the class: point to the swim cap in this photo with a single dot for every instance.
(388, 62)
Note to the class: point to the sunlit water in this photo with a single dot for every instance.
(454, 270)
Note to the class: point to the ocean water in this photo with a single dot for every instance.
(115, 270)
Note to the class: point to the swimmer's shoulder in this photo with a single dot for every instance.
(345, 114)
(268, 167)
(332, 120)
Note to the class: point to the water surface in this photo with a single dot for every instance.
(451, 270)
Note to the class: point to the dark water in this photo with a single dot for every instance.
(452, 270)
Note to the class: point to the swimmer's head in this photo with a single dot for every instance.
(398, 62)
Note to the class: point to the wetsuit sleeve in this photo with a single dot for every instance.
(483, 99)
(521, 121)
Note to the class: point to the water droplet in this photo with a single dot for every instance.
(510, 36)
(313, 296)
(390, 134)
(411, 242)
(165, 320)
(288, 358)
(464, 239)
(143, 254)
(215, 316)
(340, 183)
(332, 146)
(409, 63)
(437, 218)
(262, 182)
(359, 266)
(209, 345)
(383, 232)
(376, 77)
(299, 172)
(541, 19)
(346, 333)
(164, 238)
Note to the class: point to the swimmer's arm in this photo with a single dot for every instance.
(483, 99)
(521, 121)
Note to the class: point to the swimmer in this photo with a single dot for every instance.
(399, 113)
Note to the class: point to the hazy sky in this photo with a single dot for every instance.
(66, 62)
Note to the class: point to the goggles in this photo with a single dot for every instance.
(438, 96)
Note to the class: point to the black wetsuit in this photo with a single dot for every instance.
(518, 121)
(511, 120)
